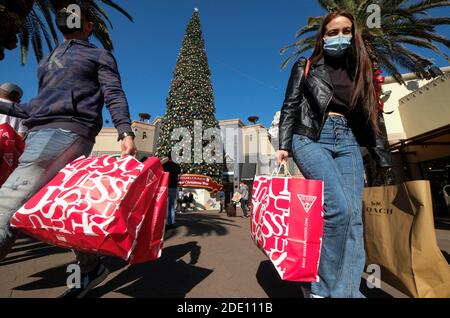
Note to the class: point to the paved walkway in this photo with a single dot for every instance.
(207, 255)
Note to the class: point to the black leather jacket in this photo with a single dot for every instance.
(305, 106)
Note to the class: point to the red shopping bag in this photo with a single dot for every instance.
(11, 148)
(287, 224)
(151, 238)
(96, 205)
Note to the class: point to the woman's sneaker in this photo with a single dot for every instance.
(88, 281)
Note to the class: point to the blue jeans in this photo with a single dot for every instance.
(336, 159)
(46, 152)
(172, 198)
(244, 206)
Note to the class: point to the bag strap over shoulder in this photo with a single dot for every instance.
(307, 67)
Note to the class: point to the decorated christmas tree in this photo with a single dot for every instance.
(190, 109)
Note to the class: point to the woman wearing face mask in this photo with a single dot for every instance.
(326, 116)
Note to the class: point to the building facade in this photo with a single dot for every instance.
(146, 136)
(419, 132)
(247, 150)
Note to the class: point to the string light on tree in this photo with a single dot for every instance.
(190, 99)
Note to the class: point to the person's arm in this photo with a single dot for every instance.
(381, 153)
(291, 102)
(14, 110)
(116, 102)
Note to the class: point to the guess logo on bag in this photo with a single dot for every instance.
(151, 178)
(160, 193)
(287, 224)
(9, 159)
(307, 201)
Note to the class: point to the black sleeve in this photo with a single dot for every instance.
(111, 85)
(381, 153)
(14, 110)
(290, 105)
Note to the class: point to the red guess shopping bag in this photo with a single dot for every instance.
(287, 224)
(150, 241)
(11, 148)
(96, 205)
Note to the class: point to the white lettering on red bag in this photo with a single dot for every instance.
(287, 224)
(270, 226)
(83, 186)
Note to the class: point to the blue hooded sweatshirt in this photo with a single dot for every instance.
(75, 81)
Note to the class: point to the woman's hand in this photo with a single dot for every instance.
(282, 156)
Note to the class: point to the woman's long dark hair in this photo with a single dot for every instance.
(359, 65)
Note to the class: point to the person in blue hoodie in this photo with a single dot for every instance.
(75, 82)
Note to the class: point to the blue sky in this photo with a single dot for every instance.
(243, 38)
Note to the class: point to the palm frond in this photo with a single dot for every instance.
(307, 29)
(100, 11)
(328, 5)
(24, 40)
(435, 21)
(403, 23)
(36, 40)
(426, 5)
(390, 68)
(298, 52)
(427, 44)
(36, 20)
(46, 9)
(112, 4)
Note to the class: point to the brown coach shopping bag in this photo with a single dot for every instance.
(400, 237)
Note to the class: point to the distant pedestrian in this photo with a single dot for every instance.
(243, 190)
(11, 93)
(174, 171)
(191, 201)
(222, 200)
(180, 196)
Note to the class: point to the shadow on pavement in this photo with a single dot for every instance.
(372, 292)
(170, 276)
(33, 250)
(201, 224)
(274, 287)
(272, 284)
(50, 278)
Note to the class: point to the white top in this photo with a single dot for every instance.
(14, 122)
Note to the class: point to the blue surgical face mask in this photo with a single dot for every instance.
(336, 46)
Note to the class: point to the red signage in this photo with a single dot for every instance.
(199, 181)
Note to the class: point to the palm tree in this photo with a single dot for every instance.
(33, 20)
(403, 24)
